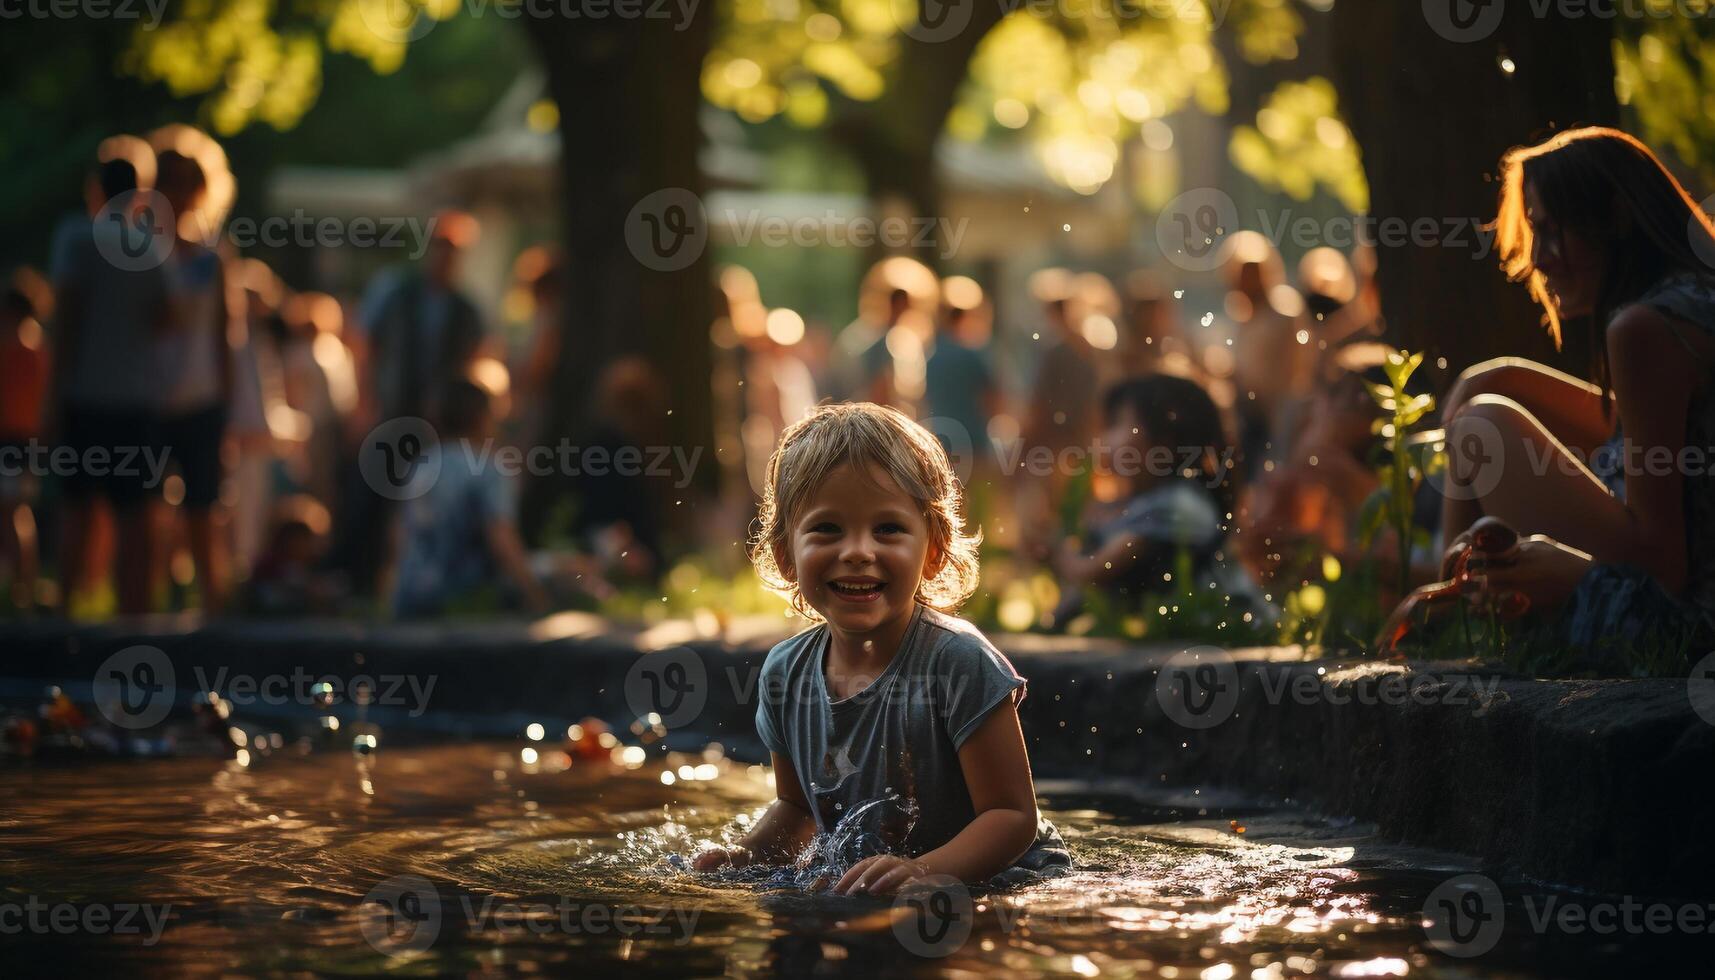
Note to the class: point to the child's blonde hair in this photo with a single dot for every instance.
(863, 433)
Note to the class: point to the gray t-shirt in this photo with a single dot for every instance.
(890, 753)
(121, 310)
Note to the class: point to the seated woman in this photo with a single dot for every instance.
(1624, 545)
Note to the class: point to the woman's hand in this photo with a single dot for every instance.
(1543, 570)
(883, 875)
(1490, 539)
(718, 857)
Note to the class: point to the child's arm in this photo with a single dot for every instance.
(779, 835)
(508, 550)
(997, 773)
(1109, 562)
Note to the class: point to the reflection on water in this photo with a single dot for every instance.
(554, 864)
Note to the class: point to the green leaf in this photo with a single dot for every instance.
(1373, 515)
(1383, 394)
(1416, 408)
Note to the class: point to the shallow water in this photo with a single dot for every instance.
(465, 859)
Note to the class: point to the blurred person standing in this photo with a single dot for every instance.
(1063, 392)
(95, 532)
(421, 331)
(192, 358)
(1154, 338)
(1060, 415)
(102, 403)
(257, 395)
(418, 334)
(959, 385)
(319, 382)
(896, 292)
(1272, 357)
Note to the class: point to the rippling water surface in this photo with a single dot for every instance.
(466, 859)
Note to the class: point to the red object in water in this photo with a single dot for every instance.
(584, 740)
(21, 736)
(60, 714)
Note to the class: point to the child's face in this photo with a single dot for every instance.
(858, 550)
(1127, 430)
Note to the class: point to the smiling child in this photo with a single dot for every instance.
(890, 699)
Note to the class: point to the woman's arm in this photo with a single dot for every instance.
(782, 832)
(1109, 562)
(997, 773)
(1653, 382)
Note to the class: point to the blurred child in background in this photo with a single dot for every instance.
(461, 535)
(1171, 460)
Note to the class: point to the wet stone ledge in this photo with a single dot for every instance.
(1602, 784)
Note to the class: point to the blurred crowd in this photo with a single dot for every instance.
(181, 429)
(1116, 438)
(1106, 431)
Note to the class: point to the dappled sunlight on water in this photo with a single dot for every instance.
(266, 867)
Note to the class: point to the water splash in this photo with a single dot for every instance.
(864, 832)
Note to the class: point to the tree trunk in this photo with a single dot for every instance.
(893, 139)
(1433, 117)
(629, 97)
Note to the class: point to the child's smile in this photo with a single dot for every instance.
(858, 552)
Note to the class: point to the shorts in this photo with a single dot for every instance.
(111, 452)
(192, 444)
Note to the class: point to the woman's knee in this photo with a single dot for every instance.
(1480, 436)
(1496, 376)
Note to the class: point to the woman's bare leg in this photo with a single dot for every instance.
(1524, 475)
(1569, 407)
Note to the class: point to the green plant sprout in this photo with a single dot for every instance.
(1401, 473)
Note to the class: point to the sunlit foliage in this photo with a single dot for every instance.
(1080, 88)
(1665, 72)
(261, 60)
(1076, 78)
(774, 57)
(1299, 143)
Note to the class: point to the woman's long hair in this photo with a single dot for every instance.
(1608, 188)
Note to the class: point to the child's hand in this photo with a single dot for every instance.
(883, 874)
(716, 857)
